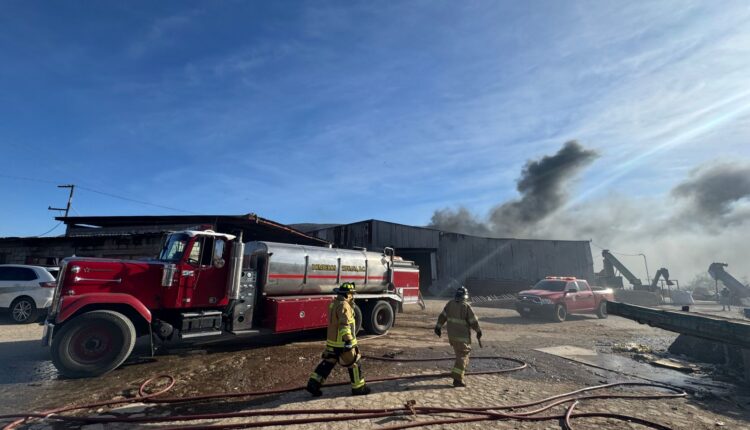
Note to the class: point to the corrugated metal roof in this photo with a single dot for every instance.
(252, 226)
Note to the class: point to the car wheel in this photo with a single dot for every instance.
(560, 313)
(93, 344)
(23, 310)
(601, 311)
(378, 317)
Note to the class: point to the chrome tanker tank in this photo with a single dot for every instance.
(284, 269)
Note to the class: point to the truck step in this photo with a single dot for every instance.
(244, 332)
(200, 334)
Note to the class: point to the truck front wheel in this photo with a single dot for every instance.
(379, 317)
(93, 344)
(560, 313)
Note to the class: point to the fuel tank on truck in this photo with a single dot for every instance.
(285, 269)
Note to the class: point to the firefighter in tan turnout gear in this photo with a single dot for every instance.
(460, 318)
(341, 344)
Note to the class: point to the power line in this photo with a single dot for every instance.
(50, 230)
(615, 252)
(25, 178)
(626, 255)
(104, 193)
(133, 200)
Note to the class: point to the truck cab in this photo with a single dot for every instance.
(196, 273)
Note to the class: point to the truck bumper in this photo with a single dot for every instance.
(47, 336)
(534, 308)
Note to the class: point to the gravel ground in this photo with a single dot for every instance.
(28, 381)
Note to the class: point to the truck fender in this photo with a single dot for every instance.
(72, 304)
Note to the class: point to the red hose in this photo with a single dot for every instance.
(328, 415)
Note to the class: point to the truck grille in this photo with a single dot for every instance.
(533, 299)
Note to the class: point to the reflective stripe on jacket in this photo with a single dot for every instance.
(341, 323)
(460, 318)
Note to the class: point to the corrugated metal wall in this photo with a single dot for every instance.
(485, 264)
(403, 236)
(376, 235)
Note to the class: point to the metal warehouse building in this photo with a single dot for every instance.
(485, 265)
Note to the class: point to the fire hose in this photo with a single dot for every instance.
(410, 409)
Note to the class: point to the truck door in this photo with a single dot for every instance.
(571, 297)
(586, 299)
(205, 280)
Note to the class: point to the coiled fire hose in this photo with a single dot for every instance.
(573, 398)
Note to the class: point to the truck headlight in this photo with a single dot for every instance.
(545, 301)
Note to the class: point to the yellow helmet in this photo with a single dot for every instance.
(345, 288)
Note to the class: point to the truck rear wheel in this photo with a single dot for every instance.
(93, 344)
(560, 313)
(357, 319)
(601, 310)
(378, 318)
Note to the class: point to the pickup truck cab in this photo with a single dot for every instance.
(557, 297)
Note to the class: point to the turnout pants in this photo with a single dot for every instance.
(462, 350)
(347, 358)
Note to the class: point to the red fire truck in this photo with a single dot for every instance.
(206, 284)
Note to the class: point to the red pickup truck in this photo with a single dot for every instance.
(559, 296)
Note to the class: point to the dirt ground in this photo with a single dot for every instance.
(28, 381)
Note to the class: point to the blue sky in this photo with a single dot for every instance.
(341, 111)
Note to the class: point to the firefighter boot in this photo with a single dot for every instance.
(361, 391)
(359, 387)
(458, 383)
(313, 387)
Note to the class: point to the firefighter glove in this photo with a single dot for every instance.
(479, 334)
(438, 331)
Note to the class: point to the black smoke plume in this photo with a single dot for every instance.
(459, 221)
(543, 188)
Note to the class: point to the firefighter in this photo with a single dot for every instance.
(460, 318)
(341, 344)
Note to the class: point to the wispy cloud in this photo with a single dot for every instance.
(162, 33)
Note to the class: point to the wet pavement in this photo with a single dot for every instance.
(28, 381)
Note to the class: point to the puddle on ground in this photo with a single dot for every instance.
(630, 367)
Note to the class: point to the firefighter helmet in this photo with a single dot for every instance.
(345, 288)
(462, 293)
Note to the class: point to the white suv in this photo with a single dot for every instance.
(24, 290)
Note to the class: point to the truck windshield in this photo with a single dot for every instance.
(550, 285)
(174, 248)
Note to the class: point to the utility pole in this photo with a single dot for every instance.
(70, 200)
(648, 276)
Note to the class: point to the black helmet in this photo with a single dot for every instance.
(345, 288)
(462, 293)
